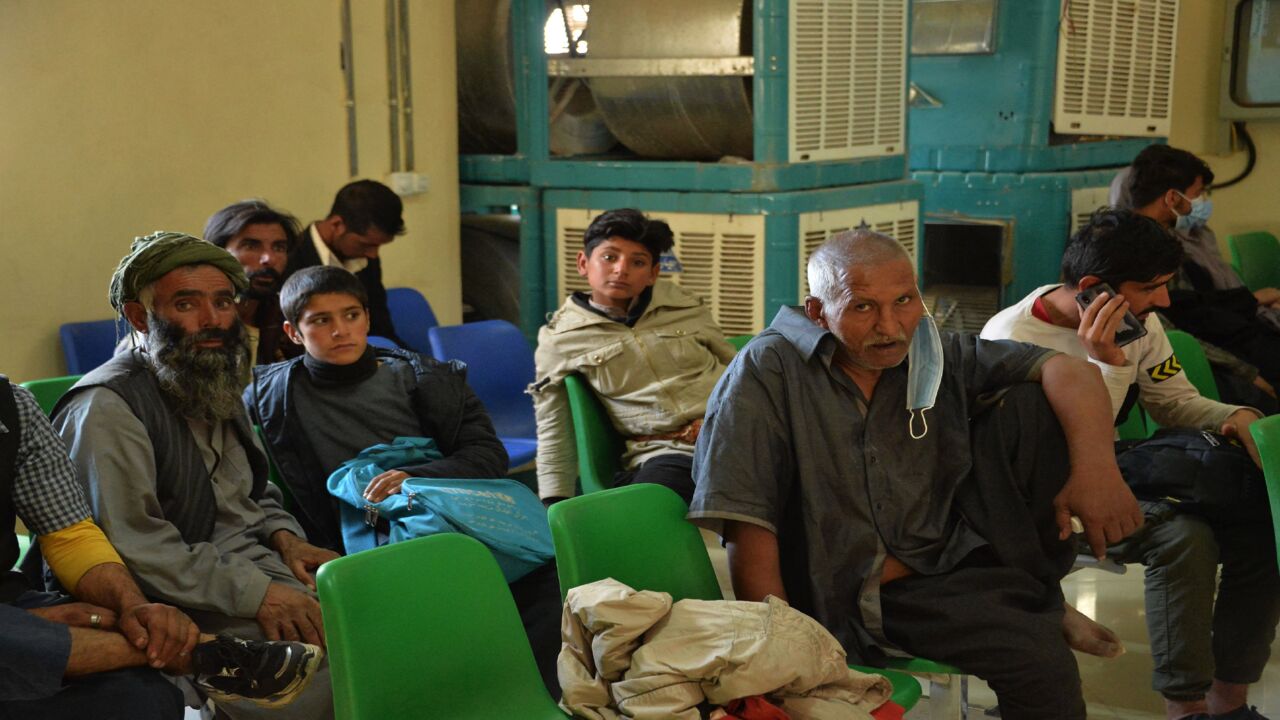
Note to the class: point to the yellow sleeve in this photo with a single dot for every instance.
(74, 550)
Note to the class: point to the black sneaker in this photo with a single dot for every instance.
(266, 673)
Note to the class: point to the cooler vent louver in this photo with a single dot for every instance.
(722, 259)
(1115, 67)
(848, 62)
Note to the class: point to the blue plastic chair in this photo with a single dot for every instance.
(499, 368)
(412, 316)
(380, 342)
(86, 345)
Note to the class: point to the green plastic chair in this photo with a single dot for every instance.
(600, 447)
(738, 341)
(273, 473)
(24, 544)
(49, 390)
(1134, 427)
(1256, 256)
(637, 535)
(1191, 356)
(1266, 433)
(426, 628)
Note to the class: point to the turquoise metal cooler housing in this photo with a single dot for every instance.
(1036, 207)
(769, 171)
(527, 202)
(783, 252)
(997, 109)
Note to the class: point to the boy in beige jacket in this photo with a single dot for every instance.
(650, 350)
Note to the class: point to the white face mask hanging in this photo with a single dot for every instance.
(924, 373)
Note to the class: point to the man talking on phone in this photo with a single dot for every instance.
(1116, 271)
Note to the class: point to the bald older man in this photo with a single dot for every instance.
(178, 482)
(854, 484)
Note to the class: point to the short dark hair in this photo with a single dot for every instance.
(366, 203)
(1120, 246)
(1160, 168)
(233, 219)
(318, 280)
(629, 224)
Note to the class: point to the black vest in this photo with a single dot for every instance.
(11, 583)
(183, 484)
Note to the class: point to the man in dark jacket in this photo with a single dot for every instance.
(365, 216)
(1171, 186)
(343, 395)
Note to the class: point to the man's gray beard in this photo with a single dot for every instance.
(203, 383)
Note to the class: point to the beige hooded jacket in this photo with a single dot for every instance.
(652, 378)
(633, 654)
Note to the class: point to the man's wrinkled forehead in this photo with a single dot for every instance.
(891, 275)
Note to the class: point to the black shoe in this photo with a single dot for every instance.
(266, 673)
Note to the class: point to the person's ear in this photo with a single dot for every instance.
(813, 311)
(292, 332)
(136, 313)
(654, 271)
(1087, 282)
(582, 263)
(1172, 200)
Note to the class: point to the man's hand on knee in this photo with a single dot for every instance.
(1106, 507)
(162, 631)
(287, 614)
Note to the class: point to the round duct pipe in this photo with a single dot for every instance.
(486, 89)
(691, 118)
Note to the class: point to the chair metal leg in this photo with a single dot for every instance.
(948, 697)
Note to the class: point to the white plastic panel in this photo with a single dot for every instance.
(1084, 201)
(848, 60)
(900, 221)
(1115, 67)
(722, 258)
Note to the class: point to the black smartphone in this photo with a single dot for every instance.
(1130, 329)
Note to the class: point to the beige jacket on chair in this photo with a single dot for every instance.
(634, 654)
(652, 378)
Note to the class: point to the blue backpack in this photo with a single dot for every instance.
(501, 513)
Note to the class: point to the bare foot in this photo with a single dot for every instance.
(1087, 636)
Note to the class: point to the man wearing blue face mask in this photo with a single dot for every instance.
(1207, 298)
(839, 461)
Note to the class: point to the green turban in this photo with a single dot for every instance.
(152, 257)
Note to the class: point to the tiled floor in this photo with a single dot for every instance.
(1116, 688)
(1121, 688)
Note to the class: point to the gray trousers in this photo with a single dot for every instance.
(1194, 639)
(998, 613)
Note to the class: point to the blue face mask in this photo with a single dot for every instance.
(924, 373)
(1201, 209)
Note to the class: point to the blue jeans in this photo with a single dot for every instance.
(33, 658)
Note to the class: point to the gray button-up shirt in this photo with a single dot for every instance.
(791, 444)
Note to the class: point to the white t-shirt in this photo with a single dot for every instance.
(1163, 389)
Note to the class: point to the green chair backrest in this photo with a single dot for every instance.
(1193, 362)
(1134, 427)
(1191, 356)
(49, 390)
(1266, 432)
(273, 473)
(1256, 256)
(738, 341)
(635, 534)
(600, 447)
(426, 628)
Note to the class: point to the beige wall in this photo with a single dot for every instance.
(1251, 205)
(123, 117)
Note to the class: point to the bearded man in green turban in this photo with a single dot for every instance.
(178, 481)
